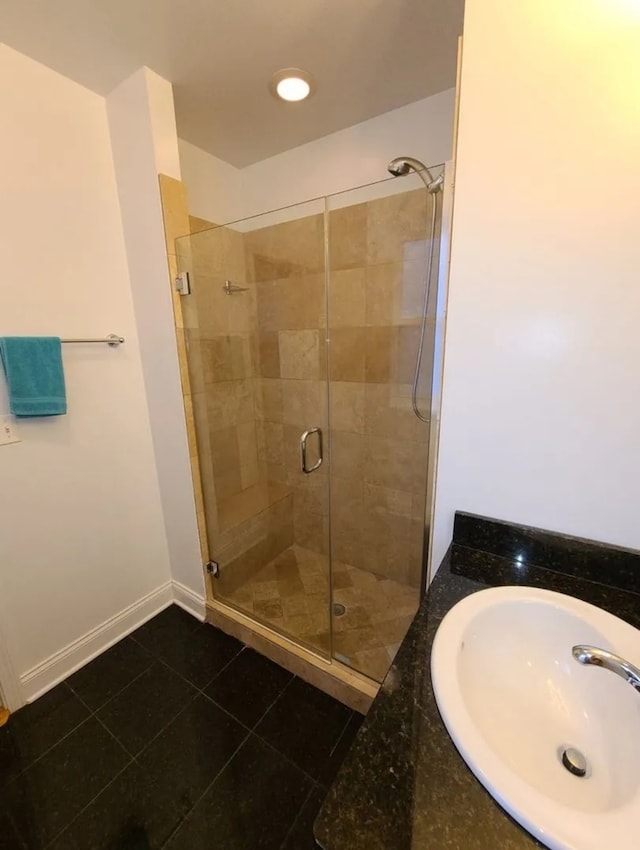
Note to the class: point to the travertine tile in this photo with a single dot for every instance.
(242, 309)
(223, 359)
(383, 294)
(269, 349)
(347, 540)
(394, 221)
(378, 611)
(348, 451)
(295, 605)
(269, 308)
(388, 413)
(347, 406)
(376, 661)
(207, 253)
(286, 249)
(311, 531)
(174, 210)
(268, 609)
(386, 500)
(230, 403)
(412, 289)
(265, 590)
(211, 302)
(225, 462)
(347, 498)
(347, 354)
(194, 360)
(273, 442)
(248, 451)
(394, 463)
(381, 354)
(299, 354)
(196, 224)
(294, 303)
(407, 342)
(347, 297)
(302, 302)
(271, 391)
(303, 402)
(311, 494)
(348, 237)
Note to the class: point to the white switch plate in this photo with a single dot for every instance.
(8, 430)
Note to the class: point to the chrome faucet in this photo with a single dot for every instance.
(610, 661)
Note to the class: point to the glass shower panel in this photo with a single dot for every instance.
(378, 243)
(257, 359)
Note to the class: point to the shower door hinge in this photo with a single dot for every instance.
(183, 284)
(213, 568)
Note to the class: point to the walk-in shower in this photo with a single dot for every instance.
(310, 337)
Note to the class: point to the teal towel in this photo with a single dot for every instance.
(35, 378)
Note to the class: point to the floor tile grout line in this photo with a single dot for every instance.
(134, 758)
(84, 808)
(166, 726)
(235, 717)
(297, 817)
(198, 692)
(286, 758)
(273, 702)
(115, 738)
(48, 750)
(342, 733)
(206, 790)
(222, 669)
(117, 693)
(226, 711)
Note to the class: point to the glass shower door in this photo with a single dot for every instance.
(378, 243)
(257, 362)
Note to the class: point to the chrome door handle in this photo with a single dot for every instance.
(303, 450)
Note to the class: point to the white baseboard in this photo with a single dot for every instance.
(186, 598)
(61, 664)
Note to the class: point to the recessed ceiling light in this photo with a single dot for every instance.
(291, 84)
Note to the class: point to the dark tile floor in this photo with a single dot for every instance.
(177, 737)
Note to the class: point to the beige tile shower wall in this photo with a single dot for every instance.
(379, 448)
(262, 365)
(244, 519)
(223, 342)
(285, 263)
(176, 224)
(251, 518)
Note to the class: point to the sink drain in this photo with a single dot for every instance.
(574, 761)
(339, 609)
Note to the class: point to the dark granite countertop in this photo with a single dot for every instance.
(403, 784)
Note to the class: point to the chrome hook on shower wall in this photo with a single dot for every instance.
(231, 288)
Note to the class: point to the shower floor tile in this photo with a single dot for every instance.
(291, 594)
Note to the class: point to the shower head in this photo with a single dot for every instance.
(402, 165)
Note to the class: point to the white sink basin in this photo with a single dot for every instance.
(513, 699)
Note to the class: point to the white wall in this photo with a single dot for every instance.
(541, 408)
(145, 143)
(215, 187)
(82, 535)
(334, 163)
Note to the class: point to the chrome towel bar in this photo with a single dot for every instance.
(112, 340)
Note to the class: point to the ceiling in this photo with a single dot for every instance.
(367, 57)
